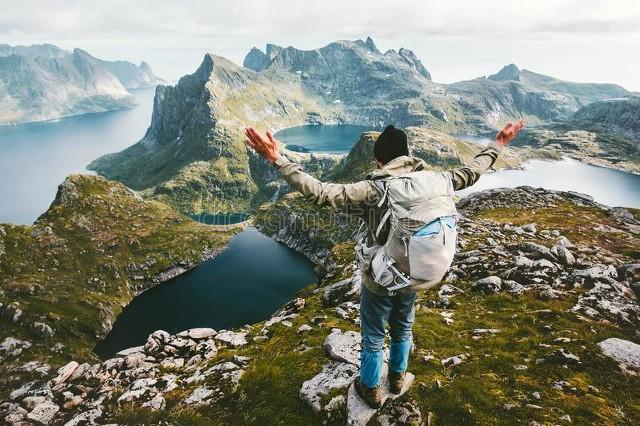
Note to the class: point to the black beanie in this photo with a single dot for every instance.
(392, 143)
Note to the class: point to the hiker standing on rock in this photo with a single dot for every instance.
(408, 243)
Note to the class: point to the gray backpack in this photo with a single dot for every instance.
(408, 259)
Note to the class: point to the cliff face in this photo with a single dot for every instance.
(193, 154)
(616, 115)
(512, 93)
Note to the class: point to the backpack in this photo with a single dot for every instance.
(409, 258)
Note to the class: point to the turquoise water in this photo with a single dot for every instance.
(333, 139)
(246, 283)
(37, 157)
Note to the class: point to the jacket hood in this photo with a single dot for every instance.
(398, 166)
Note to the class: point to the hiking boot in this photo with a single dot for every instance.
(396, 381)
(371, 396)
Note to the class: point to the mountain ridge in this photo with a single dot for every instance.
(44, 82)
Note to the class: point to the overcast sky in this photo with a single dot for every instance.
(578, 40)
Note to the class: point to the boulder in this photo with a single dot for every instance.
(334, 375)
(65, 372)
(359, 413)
(342, 291)
(88, 417)
(42, 330)
(488, 285)
(198, 333)
(44, 412)
(624, 352)
(130, 351)
(344, 346)
(198, 396)
(231, 338)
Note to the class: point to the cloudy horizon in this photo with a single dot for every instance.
(584, 41)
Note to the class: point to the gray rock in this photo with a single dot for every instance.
(198, 333)
(231, 338)
(488, 285)
(65, 372)
(334, 375)
(156, 403)
(132, 395)
(199, 396)
(344, 346)
(359, 413)
(304, 328)
(130, 351)
(448, 290)
(44, 331)
(626, 353)
(13, 413)
(12, 347)
(564, 255)
(89, 417)
(537, 251)
(44, 412)
(30, 402)
(512, 287)
(342, 291)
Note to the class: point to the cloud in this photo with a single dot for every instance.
(585, 40)
(199, 18)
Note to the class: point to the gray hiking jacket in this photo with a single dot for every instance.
(361, 198)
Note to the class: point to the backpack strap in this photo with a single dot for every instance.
(384, 185)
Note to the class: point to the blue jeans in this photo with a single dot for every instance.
(375, 313)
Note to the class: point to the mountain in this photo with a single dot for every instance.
(43, 82)
(513, 93)
(193, 153)
(193, 156)
(618, 115)
(133, 76)
(537, 320)
(96, 248)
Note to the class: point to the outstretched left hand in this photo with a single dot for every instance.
(266, 147)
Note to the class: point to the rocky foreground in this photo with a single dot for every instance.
(536, 323)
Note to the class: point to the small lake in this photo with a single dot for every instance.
(36, 157)
(246, 283)
(333, 139)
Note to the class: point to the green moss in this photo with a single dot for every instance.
(73, 268)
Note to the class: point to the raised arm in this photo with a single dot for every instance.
(352, 195)
(466, 176)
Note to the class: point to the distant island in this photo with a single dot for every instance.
(44, 82)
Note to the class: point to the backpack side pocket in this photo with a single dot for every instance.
(430, 256)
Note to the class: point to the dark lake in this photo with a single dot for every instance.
(333, 139)
(37, 157)
(246, 283)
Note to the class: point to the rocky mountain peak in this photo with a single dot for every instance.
(508, 72)
(369, 44)
(413, 60)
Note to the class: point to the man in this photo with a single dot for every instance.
(382, 305)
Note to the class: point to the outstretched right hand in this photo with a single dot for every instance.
(508, 133)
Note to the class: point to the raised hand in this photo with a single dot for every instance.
(266, 147)
(508, 133)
